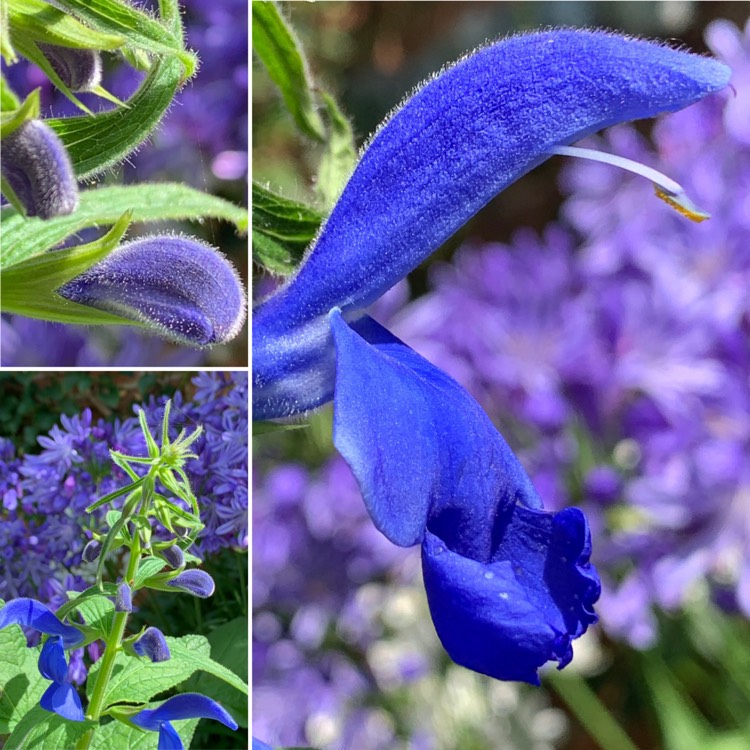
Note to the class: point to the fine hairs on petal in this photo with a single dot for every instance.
(177, 286)
(38, 169)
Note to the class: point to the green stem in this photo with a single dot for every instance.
(593, 715)
(111, 649)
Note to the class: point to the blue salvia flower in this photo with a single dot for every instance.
(79, 69)
(152, 644)
(174, 556)
(509, 585)
(38, 169)
(185, 706)
(179, 287)
(124, 598)
(60, 697)
(195, 582)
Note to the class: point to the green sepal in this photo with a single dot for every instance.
(148, 567)
(40, 21)
(113, 495)
(340, 155)
(276, 47)
(28, 109)
(29, 288)
(8, 100)
(282, 229)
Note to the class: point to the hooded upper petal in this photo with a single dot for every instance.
(462, 138)
(30, 613)
(177, 286)
(509, 585)
(185, 706)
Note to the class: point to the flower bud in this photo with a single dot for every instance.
(174, 556)
(79, 69)
(91, 551)
(195, 582)
(179, 287)
(38, 169)
(152, 644)
(123, 600)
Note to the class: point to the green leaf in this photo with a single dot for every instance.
(278, 50)
(148, 567)
(99, 141)
(282, 229)
(21, 684)
(24, 238)
(76, 598)
(141, 30)
(229, 647)
(38, 20)
(97, 611)
(42, 730)
(339, 157)
(118, 736)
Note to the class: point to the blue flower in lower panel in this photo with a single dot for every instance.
(509, 585)
(185, 706)
(60, 697)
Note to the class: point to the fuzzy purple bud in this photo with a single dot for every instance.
(153, 644)
(91, 551)
(195, 582)
(79, 69)
(37, 167)
(123, 600)
(181, 288)
(174, 556)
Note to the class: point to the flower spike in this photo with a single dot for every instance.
(181, 288)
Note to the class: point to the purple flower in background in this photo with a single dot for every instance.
(177, 286)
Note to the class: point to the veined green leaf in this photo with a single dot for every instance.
(25, 238)
(282, 229)
(99, 141)
(118, 735)
(281, 54)
(43, 730)
(40, 21)
(141, 30)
